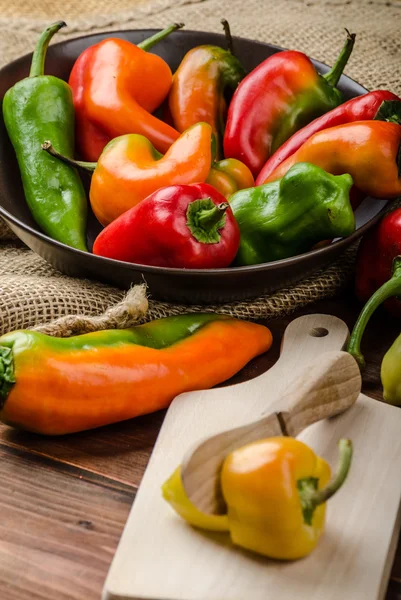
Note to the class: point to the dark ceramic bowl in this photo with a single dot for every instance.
(175, 285)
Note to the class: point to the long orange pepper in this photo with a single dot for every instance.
(55, 386)
(367, 150)
(130, 169)
(116, 85)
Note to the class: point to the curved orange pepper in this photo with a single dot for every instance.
(116, 85)
(130, 169)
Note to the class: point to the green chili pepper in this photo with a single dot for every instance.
(36, 109)
(288, 216)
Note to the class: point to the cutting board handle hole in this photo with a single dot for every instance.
(319, 332)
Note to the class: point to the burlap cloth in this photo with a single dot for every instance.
(32, 292)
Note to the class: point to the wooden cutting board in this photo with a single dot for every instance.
(160, 557)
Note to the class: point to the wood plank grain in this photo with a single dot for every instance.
(57, 533)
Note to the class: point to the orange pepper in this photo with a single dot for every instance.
(55, 386)
(116, 85)
(367, 150)
(230, 175)
(130, 169)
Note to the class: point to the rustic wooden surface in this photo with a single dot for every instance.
(64, 501)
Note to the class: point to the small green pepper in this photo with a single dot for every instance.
(288, 216)
(37, 109)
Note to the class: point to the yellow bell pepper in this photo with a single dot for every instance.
(275, 490)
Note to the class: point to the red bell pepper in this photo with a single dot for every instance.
(182, 226)
(379, 104)
(378, 275)
(275, 100)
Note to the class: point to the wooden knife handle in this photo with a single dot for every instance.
(329, 387)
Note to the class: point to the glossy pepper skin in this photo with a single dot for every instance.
(391, 374)
(275, 491)
(378, 275)
(367, 150)
(55, 386)
(380, 104)
(116, 85)
(271, 489)
(280, 96)
(35, 109)
(230, 175)
(289, 216)
(200, 86)
(180, 226)
(130, 169)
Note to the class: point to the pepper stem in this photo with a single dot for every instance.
(332, 77)
(205, 219)
(229, 37)
(39, 54)
(7, 374)
(211, 217)
(392, 287)
(159, 36)
(311, 497)
(389, 110)
(77, 164)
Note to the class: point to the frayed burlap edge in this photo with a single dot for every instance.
(127, 313)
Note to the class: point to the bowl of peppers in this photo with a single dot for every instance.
(215, 168)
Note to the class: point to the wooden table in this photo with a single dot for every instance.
(64, 501)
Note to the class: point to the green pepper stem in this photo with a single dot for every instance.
(228, 36)
(7, 374)
(392, 287)
(159, 36)
(77, 164)
(205, 219)
(344, 463)
(332, 77)
(389, 110)
(311, 497)
(39, 54)
(210, 217)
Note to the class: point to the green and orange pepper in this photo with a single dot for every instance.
(206, 78)
(55, 386)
